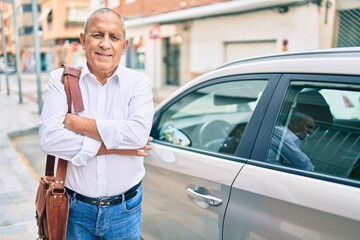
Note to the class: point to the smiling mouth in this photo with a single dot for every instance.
(104, 54)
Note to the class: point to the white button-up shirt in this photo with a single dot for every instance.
(290, 152)
(123, 110)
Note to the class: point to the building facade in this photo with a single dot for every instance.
(24, 17)
(7, 31)
(58, 32)
(62, 22)
(175, 45)
(174, 41)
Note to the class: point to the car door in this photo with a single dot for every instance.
(194, 159)
(272, 199)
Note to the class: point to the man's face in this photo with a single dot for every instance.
(303, 128)
(104, 44)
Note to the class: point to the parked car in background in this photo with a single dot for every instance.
(209, 175)
(9, 69)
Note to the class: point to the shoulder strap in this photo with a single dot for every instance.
(70, 79)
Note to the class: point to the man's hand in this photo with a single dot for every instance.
(131, 152)
(70, 122)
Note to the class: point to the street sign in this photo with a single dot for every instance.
(155, 32)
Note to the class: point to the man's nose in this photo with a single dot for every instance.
(105, 43)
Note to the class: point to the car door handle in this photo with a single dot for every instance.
(211, 200)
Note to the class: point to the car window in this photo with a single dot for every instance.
(211, 118)
(317, 129)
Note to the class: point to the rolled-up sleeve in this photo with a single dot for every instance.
(55, 139)
(88, 150)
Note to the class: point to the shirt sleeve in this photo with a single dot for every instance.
(132, 132)
(292, 153)
(55, 139)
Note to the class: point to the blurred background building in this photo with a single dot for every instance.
(174, 41)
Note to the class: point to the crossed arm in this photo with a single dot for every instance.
(87, 127)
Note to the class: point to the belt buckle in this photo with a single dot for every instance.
(102, 202)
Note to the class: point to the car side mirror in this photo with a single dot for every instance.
(173, 135)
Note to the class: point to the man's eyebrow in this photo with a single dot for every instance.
(96, 31)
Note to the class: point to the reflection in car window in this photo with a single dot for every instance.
(343, 104)
(318, 129)
(212, 118)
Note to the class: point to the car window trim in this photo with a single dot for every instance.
(252, 130)
(201, 151)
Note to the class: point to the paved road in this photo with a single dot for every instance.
(27, 143)
(29, 86)
(17, 184)
(28, 148)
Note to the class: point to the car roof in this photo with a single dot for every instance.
(344, 61)
(332, 52)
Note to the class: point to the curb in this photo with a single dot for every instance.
(25, 132)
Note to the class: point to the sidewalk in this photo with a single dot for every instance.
(17, 185)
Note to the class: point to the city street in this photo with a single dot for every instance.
(28, 83)
(27, 143)
(18, 182)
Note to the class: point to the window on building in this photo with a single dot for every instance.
(347, 22)
(25, 31)
(49, 20)
(172, 59)
(136, 53)
(77, 15)
(27, 8)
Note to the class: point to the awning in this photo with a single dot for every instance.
(210, 10)
(44, 13)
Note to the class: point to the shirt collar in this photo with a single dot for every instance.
(85, 71)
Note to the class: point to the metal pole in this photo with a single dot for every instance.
(5, 52)
(37, 52)
(17, 50)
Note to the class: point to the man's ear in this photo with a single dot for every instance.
(125, 45)
(291, 124)
(82, 40)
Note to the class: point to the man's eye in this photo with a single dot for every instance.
(115, 38)
(96, 35)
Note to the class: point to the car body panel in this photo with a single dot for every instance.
(177, 215)
(270, 204)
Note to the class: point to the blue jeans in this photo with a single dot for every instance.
(121, 221)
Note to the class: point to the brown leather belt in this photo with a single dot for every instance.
(105, 201)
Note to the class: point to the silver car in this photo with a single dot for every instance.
(228, 164)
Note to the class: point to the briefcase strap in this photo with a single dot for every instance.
(50, 165)
(70, 79)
